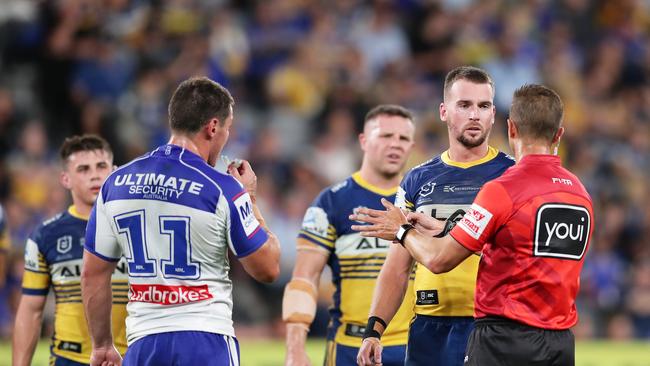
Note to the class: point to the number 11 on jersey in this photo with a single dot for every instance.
(176, 229)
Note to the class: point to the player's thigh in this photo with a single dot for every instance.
(183, 348)
(513, 345)
(60, 361)
(438, 340)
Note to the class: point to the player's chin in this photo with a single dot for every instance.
(392, 169)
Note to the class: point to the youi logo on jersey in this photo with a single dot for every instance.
(561, 231)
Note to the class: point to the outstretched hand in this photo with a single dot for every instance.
(381, 224)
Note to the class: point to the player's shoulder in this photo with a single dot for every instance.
(337, 192)
(504, 159)
(419, 172)
(53, 225)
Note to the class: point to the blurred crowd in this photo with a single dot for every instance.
(303, 73)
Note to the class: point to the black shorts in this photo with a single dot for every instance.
(503, 342)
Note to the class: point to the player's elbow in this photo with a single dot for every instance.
(269, 274)
(437, 264)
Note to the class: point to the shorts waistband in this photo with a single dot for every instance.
(497, 320)
(445, 319)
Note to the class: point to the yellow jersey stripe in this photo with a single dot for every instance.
(316, 239)
(372, 188)
(491, 154)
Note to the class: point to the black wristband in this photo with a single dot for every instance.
(370, 327)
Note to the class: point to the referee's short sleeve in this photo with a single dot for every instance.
(487, 213)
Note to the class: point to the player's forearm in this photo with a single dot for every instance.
(26, 331)
(296, 336)
(389, 292)
(97, 298)
(274, 243)
(428, 251)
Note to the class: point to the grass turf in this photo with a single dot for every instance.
(271, 353)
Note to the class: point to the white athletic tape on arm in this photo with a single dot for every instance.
(299, 302)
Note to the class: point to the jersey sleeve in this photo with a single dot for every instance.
(404, 197)
(244, 234)
(318, 227)
(489, 211)
(36, 278)
(100, 237)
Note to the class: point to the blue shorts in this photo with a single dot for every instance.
(60, 361)
(340, 355)
(183, 348)
(438, 340)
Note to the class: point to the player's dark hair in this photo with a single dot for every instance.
(195, 102)
(536, 111)
(391, 110)
(78, 143)
(469, 73)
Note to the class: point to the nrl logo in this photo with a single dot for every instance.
(427, 189)
(64, 244)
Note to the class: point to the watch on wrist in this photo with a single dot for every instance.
(401, 233)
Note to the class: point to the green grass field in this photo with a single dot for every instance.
(271, 353)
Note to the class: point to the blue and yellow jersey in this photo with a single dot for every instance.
(444, 189)
(355, 261)
(4, 234)
(53, 257)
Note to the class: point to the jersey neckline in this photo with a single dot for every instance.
(491, 154)
(356, 177)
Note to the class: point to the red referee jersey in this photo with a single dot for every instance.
(533, 225)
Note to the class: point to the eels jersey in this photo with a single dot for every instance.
(174, 218)
(53, 256)
(445, 189)
(355, 261)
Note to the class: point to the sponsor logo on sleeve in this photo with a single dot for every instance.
(244, 207)
(561, 231)
(169, 295)
(475, 220)
(316, 221)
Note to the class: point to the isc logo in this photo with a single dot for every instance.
(561, 231)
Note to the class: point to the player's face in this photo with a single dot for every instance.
(387, 142)
(469, 112)
(85, 172)
(220, 138)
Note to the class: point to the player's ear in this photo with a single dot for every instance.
(558, 136)
(362, 141)
(65, 180)
(212, 127)
(443, 112)
(512, 129)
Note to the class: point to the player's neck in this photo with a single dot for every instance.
(461, 154)
(522, 148)
(188, 143)
(80, 209)
(378, 180)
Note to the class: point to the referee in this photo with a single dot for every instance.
(533, 226)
